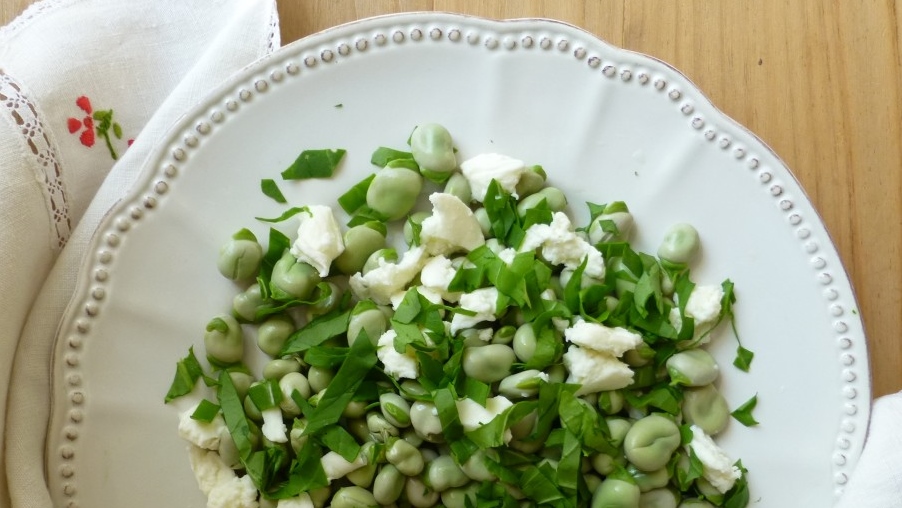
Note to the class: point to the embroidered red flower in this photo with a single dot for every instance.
(90, 131)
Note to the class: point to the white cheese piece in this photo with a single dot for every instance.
(397, 365)
(483, 302)
(380, 283)
(335, 466)
(301, 501)
(598, 337)
(234, 493)
(718, 468)
(560, 245)
(482, 169)
(474, 415)
(452, 227)
(507, 255)
(596, 371)
(202, 434)
(209, 468)
(437, 274)
(273, 427)
(704, 304)
(319, 239)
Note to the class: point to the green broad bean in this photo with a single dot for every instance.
(380, 428)
(459, 187)
(504, 335)
(395, 409)
(228, 451)
(605, 464)
(473, 337)
(610, 402)
(393, 192)
(425, 421)
(522, 429)
(314, 399)
(239, 259)
(618, 428)
(404, 456)
(443, 473)
(693, 367)
(387, 255)
(615, 493)
(278, 368)
(293, 279)
(369, 319)
(650, 442)
(355, 409)
(524, 343)
(319, 378)
(695, 503)
(360, 241)
(616, 214)
(553, 197)
(251, 409)
(557, 373)
(320, 496)
(224, 340)
(418, 494)
(359, 429)
(649, 480)
(246, 303)
(410, 435)
(641, 355)
(475, 467)
(707, 408)
(489, 363)
(433, 149)
(485, 224)
(708, 490)
(659, 498)
(457, 498)
(242, 381)
(593, 481)
(353, 497)
(289, 383)
(272, 334)
(412, 390)
(680, 245)
(296, 437)
(363, 476)
(414, 219)
(521, 385)
(326, 300)
(388, 484)
(531, 181)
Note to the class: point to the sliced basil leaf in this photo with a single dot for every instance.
(205, 411)
(743, 414)
(314, 164)
(271, 189)
(187, 372)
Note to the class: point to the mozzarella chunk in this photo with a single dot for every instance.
(704, 303)
(482, 169)
(209, 468)
(319, 239)
(303, 500)
(273, 427)
(202, 434)
(380, 283)
(437, 274)
(718, 468)
(397, 365)
(474, 415)
(483, 302)
(560, 245)
(598, 337)
(234, 493)
(335, 466)
(452, 227)
(596, 371)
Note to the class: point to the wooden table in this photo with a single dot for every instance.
(819, 81)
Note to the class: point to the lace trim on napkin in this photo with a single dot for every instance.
(25, 115)
(31, 12)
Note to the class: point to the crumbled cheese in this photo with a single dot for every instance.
(483, 302)
(273, 427)
(303, 500)
(397, 365)
(202, 434)
(209, 468)
(319, 239)
(718, 468)
(234, 493)
(507, 255)
(452, 227)
(704, 304)
(474, 415)
(562, 246)
(596, 371)
(482, 169)
(436, 275)
(380, 283)
(599, 337)
(335, 466)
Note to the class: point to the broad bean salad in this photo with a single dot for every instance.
(506, 357)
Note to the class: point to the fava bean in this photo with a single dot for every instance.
(593, 481)
(433, 149)
(485, 224)
(228, 452)
(489, 363)
(360, 241)
(651, 441)
(239, 258)
(366, 317)
(524, 343)
(459, 187)
(615, 223)
(355, 409)
(395, 409)
(418, 494)
(326, 300)
(272, 334)
(552, 196)
(531, 181)
(393, 192)
(680, 245)
(278, 368)
(319, 378)
(246, 303)
(405, 457)
(379, 257)
(242, 381)
(296, 437)
(290, 383)
(414, 220)
(605, 464)
(224, 340)
(695, 503)
(649, 480)
(293, 279)
(353, 497)
(443, 473)
(388, 484)
(457, 498)
(425, 421)
(693, 367)
(522, 384)
(504, 335)
(364, 476)
(412, 390)
(615, 493)
(708, 490)
(707, 408)
(610, 402)
(475, 467)
(659, 498)
(618, 428)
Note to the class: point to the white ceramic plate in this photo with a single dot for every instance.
(607, 124)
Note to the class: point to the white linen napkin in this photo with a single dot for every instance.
(80, 81)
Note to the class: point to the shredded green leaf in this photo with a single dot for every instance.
(743, 413)
(271, 189)
(187, 372)
(314, 164)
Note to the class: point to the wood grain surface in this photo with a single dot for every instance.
(818, 81)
